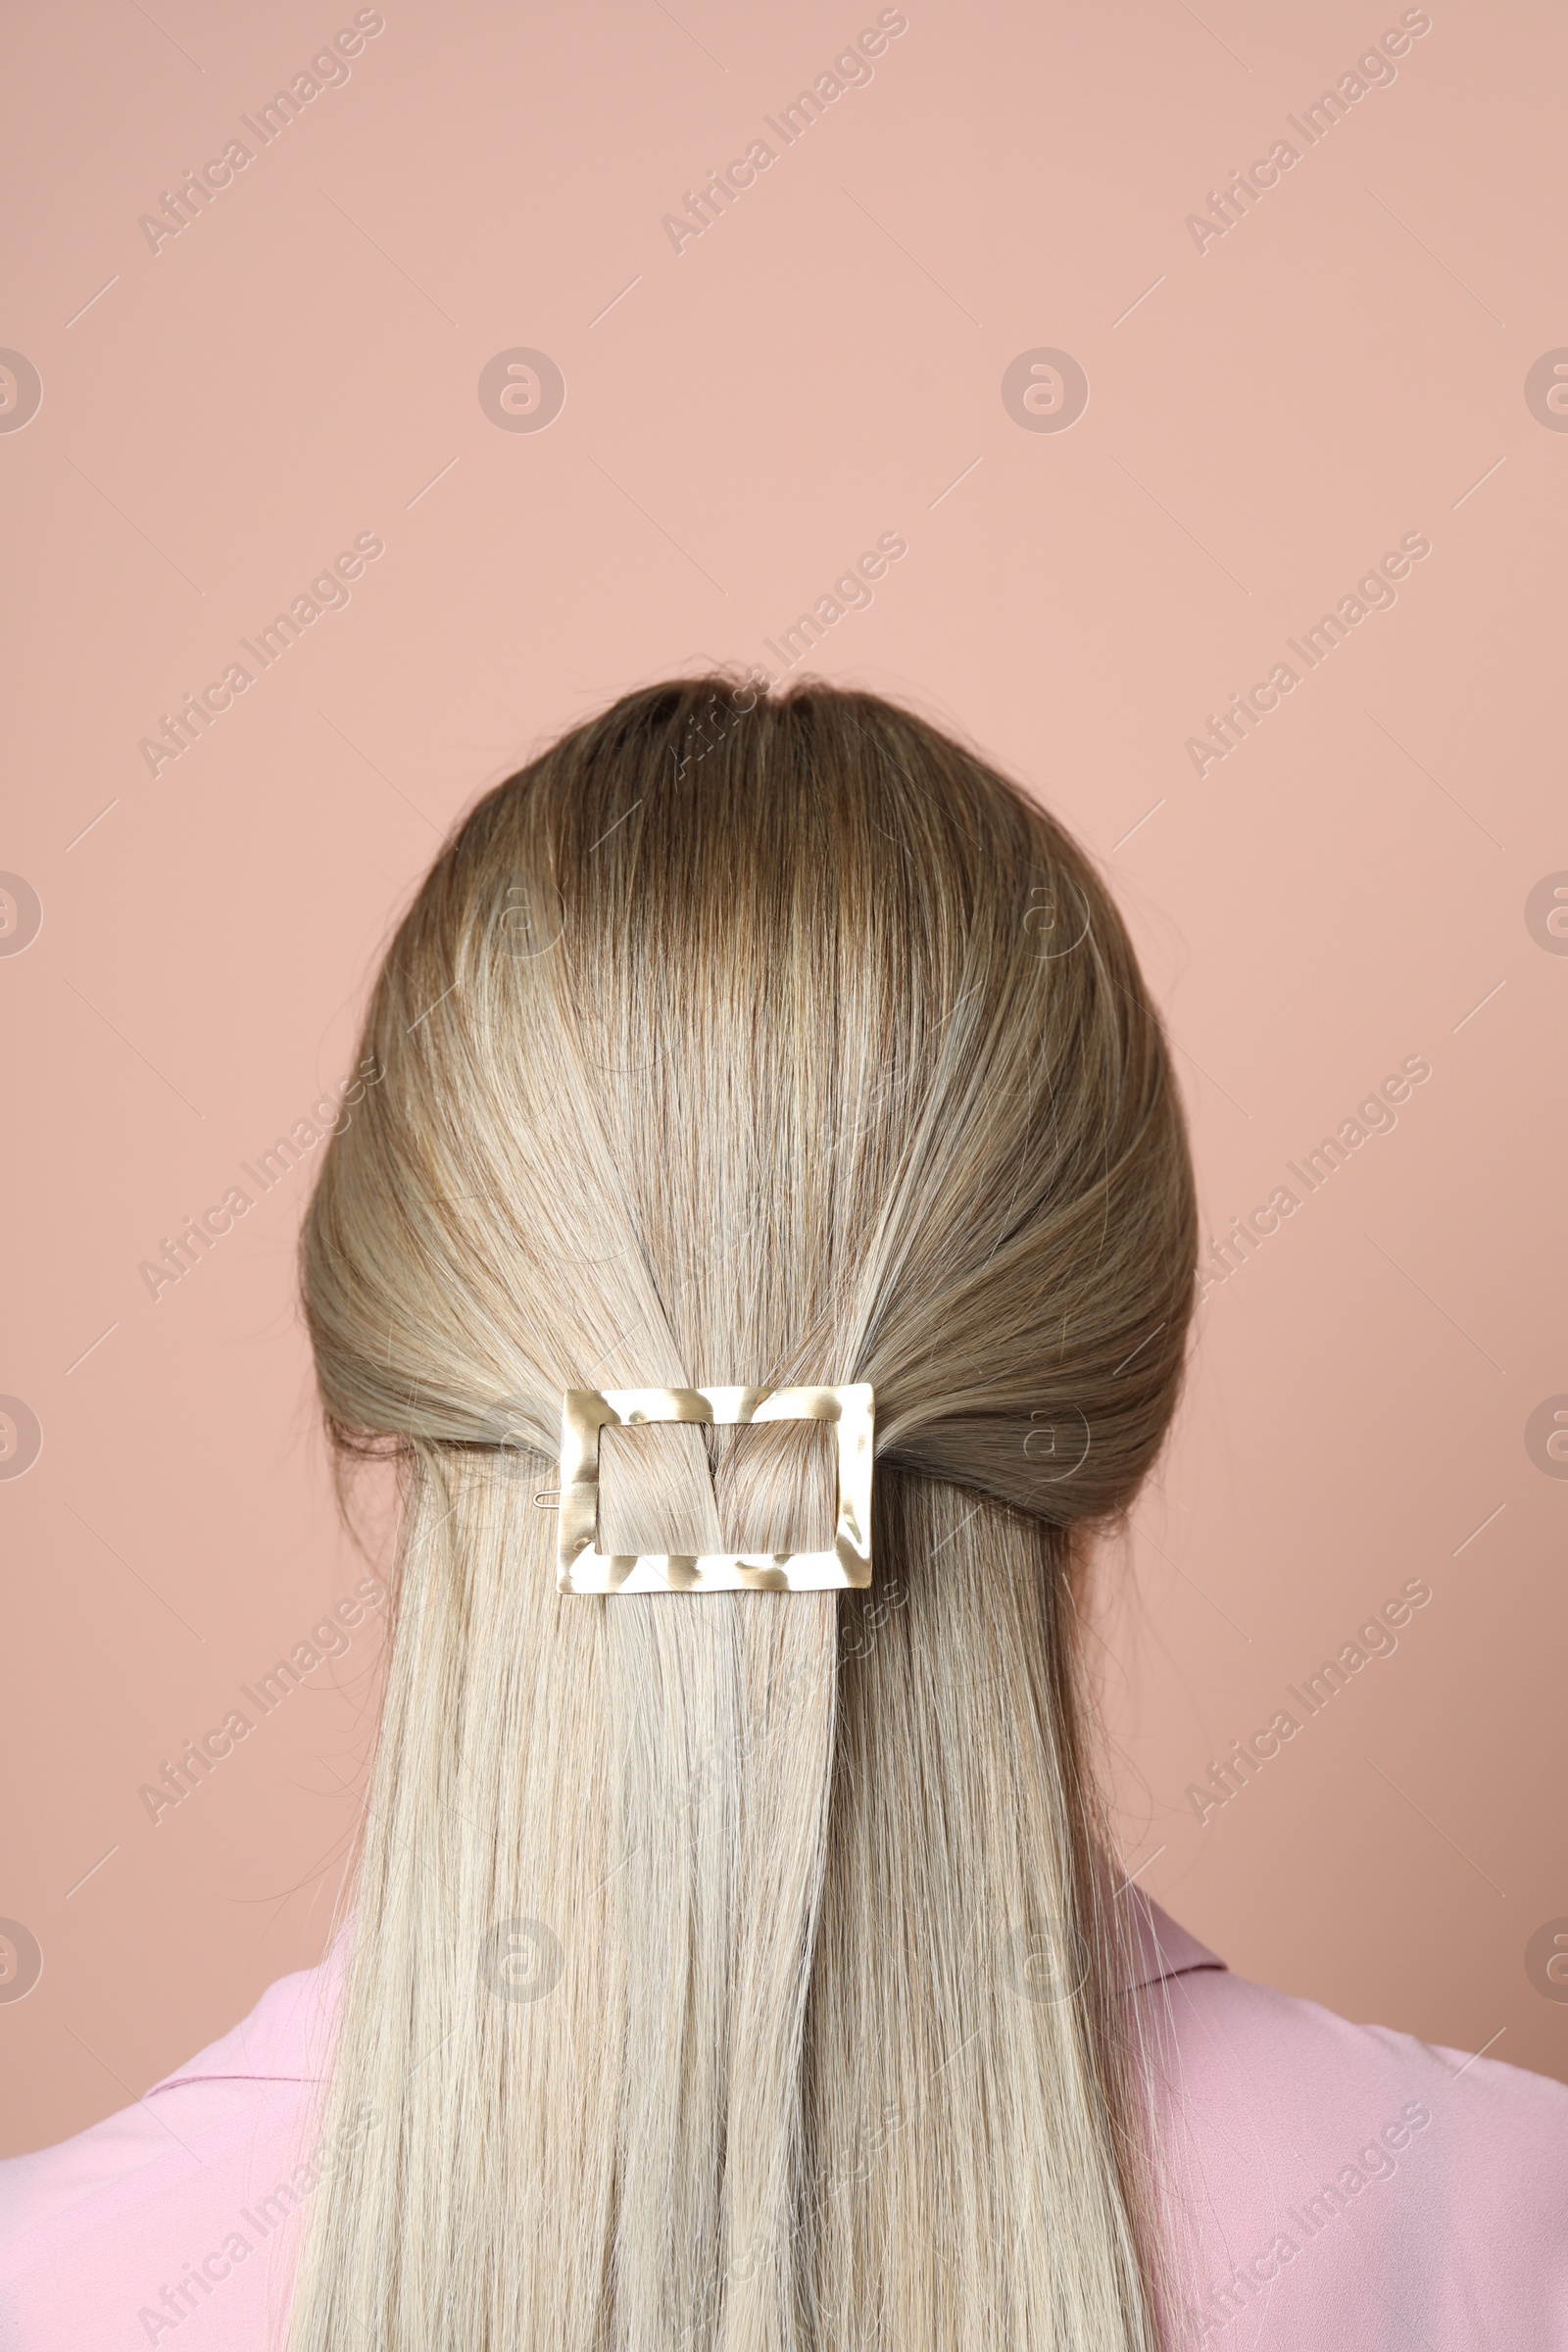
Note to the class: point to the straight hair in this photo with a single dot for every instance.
(744, 1972)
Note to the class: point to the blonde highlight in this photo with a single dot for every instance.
(822, 1058)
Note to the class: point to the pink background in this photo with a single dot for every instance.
(1344, 366)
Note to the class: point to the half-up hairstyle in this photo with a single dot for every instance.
(740, 1972)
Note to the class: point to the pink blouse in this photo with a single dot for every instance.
(1335, 2188)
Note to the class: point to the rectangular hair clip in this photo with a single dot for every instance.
(584, 1412)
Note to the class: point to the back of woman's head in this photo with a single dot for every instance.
(735, 1969)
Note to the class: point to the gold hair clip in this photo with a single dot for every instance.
(584, 1412)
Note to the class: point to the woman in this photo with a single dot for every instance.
(745, 1970)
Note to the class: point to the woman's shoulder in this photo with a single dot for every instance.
(1328, 2185)
(1350, 2186)
(117, 2237)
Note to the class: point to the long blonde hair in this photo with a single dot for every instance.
(738, 1972)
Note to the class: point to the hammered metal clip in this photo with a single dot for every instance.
(579, 1568)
